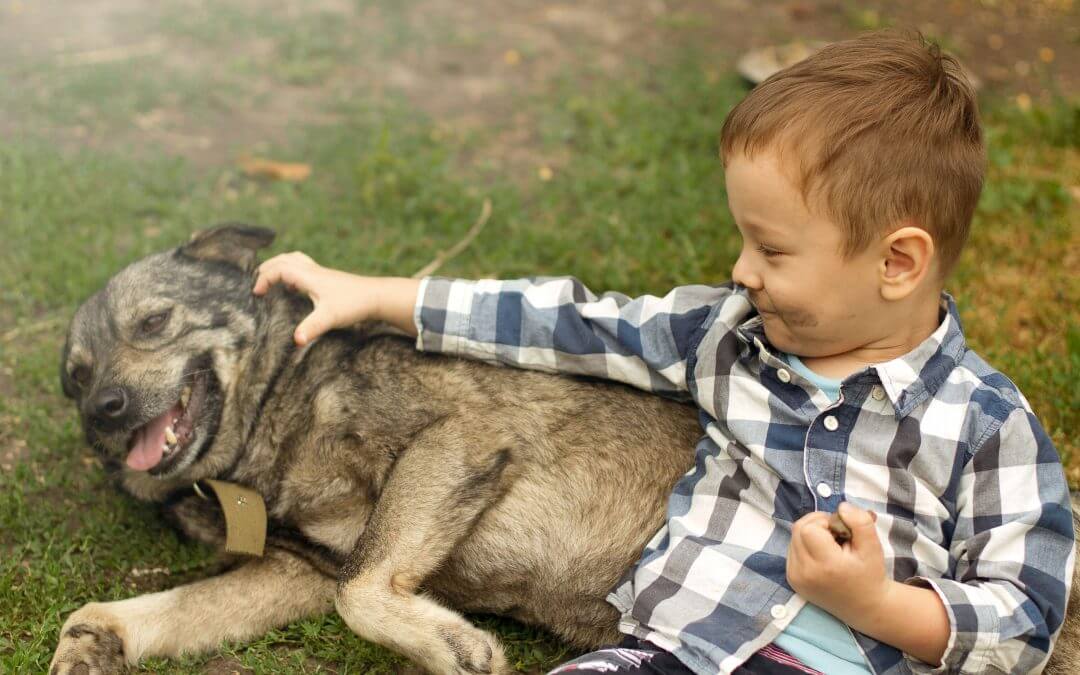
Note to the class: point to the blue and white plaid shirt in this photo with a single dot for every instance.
(969, 491)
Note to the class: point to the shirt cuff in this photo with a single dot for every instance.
(974, 627)
(442, 314)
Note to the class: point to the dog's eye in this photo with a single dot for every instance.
(81, 375)
(154, 323)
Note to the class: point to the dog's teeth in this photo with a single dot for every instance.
(170, 435)
(165, 448)
(185, 396)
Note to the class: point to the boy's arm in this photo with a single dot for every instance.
(558, 325)
(338, 298)
(1014, 552)
(549, 324)
(397, 303)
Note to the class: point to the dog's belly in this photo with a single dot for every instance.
(550, 551)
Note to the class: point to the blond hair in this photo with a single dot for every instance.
(884, 128)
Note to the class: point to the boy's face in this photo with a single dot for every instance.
(814, 301)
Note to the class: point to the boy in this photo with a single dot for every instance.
(832, 376)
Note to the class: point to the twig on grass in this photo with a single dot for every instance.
(110, 54)
(443, 256)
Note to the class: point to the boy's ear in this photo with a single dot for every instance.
(908, 258)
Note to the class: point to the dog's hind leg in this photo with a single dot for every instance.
(239, 605)
(438, 488)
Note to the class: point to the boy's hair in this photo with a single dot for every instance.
(883, 127)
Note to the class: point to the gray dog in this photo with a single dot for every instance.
(397, 485)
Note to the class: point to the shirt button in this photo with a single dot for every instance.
(878, 392)
(831, 424)
(824, 490)
(778, 611)
(783, 375)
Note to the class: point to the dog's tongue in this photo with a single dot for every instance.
(149, 441)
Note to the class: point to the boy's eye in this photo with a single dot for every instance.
(767, 251)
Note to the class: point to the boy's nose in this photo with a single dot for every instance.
(744, 275)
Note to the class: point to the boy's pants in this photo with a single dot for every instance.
(633, 657)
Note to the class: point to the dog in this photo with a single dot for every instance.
(397, 484)
(400, 488)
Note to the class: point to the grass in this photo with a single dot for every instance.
(636, 203)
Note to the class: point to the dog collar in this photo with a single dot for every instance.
(245, 516)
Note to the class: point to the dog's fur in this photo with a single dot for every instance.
(398, 484)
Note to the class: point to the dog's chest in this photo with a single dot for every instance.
(329, 510)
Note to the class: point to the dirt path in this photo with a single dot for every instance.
(210, 81)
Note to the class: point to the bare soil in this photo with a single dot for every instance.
(469, 65)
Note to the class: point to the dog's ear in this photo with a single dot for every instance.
(66, 383)
(233, 243)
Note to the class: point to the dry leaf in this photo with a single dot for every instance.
(255, 167)
(1023, 101)
(545, 173)
(512, 57)
(1046, 55)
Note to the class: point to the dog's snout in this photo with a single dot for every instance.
(110, 406)
(111, 402)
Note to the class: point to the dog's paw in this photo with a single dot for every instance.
(88, 650)
(475, 652)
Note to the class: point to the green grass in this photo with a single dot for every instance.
(636, 203)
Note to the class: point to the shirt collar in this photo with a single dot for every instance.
(908, 380)
(916, 376)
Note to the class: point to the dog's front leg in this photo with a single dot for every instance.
(239, 605)
(438, 488)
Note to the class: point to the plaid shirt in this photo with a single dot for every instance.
(969, 491)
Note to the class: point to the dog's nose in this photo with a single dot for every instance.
(110, 404)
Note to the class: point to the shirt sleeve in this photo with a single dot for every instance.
(1013, 549)
(558, 325)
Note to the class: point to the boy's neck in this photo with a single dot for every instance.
(912, 328)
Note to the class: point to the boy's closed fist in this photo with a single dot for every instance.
(846, 579)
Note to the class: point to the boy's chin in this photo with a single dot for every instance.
(782, 339)
(778, 334)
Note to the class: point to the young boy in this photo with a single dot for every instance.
(832, 375)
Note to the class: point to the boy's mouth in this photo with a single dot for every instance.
(756, 302)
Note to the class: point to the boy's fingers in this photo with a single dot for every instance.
(286, 267)
(802, 525)
(819, 541)
(268, 274)
(280, 272)
(797, 553)
(809, 520)
(864, 538)
(313, 325)
(261, 284)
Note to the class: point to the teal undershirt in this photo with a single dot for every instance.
(814, 636)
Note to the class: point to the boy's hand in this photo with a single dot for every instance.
(847, 580)
(341, 299)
